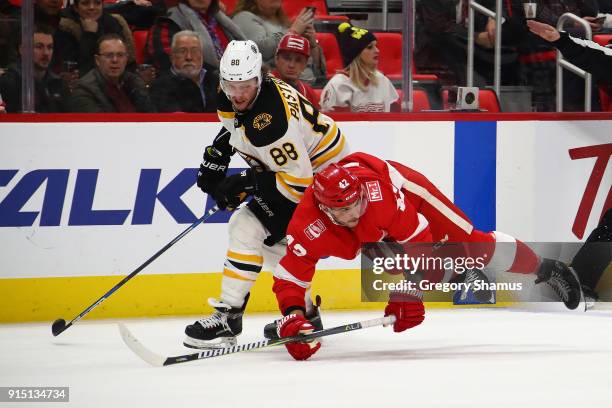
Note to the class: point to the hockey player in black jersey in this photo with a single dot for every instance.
(283, 139)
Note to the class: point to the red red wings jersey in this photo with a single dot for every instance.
(312, 235)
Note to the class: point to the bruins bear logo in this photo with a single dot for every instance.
(262, 120)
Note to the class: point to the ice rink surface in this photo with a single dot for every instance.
(456, 358)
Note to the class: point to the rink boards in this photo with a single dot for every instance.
(84, 204)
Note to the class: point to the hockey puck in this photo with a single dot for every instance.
(58, 326)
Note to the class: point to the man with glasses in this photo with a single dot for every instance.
(109, 87)
(191, 85)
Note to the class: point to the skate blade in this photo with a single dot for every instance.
(590, 302)
(221, 342)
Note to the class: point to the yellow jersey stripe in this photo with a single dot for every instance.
(294, 195)
(324, 143)
(256, 259)
(329, 154)
(226, 115)
(232, 274)
(298, 181)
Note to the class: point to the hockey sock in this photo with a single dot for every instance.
(512, 255)
(502, 252)
(239, 274)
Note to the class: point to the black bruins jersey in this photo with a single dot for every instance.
(283, 133)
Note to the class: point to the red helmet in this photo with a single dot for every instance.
(335, 186)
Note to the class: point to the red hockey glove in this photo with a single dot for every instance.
(407, 309)
(292, 325)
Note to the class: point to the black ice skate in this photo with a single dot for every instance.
(314, 317)
(217, 330)
(470, 277)
(562, 280)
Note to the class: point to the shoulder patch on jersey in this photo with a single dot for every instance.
(262, 120)
(265, 130)
(373, 190)
(314, 230)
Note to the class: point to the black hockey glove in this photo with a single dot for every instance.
(233, 190)
(212, 170)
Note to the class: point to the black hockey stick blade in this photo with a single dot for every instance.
(60, 325)
(157, 360)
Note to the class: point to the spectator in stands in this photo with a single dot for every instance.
(79, 30)
(538, 58)
(441, 43)
(204, 17)
(360, 87)
(46, 13)
(109, 87)
(587, 55)
(49, 89)
(445, 31)
(191, 85)
(139, 14)
(265, 22)
(605, 11)
(291, 58)
(9, 19)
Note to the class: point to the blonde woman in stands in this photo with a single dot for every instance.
(265, 22)
(360, 86)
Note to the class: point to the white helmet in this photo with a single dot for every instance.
(241, 61)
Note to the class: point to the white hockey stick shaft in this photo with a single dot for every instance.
(158, 361)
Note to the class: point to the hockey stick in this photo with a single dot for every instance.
(60, 325)
(159, 361)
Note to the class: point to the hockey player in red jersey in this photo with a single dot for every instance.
(364, 199)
